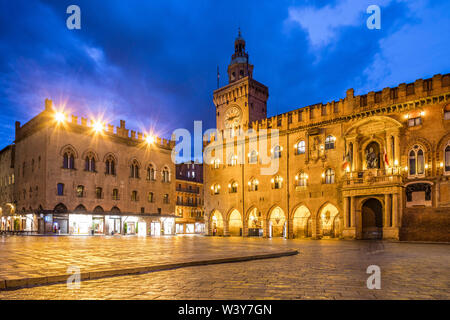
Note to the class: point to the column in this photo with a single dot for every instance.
(352, 211)
(395, 205)
(346, 217)
(387, 210)
(355, 166)
(245, 228)
(397, 148)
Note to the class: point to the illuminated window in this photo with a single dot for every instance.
(329, 176)
(301, 147)
(99, 193)
(416, 161)
(253, 185)
(329, 142)
(301, 179)
(277, 182)
(150, 197)
(115, 194)
(134, 195)
(166, 198)
(447, 112)
(233, 187)
(414, 122)
(216, 163)
(276, 152)
(253, 157)
(215, 189)
(80, 191)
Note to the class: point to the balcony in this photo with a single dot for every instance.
(187, 204)
(377, 177)
(188, 190)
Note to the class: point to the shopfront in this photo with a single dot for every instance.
(80, 224)
(114, 224)
(98, 224)
(199, 227)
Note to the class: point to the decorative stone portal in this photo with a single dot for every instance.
(372, 219)
(235, 223)
(217, 224)
(302, 223)
(277, 223)
(328, 222)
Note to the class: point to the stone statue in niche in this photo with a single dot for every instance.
(372, 157)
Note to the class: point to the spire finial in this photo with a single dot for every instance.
(239, 31)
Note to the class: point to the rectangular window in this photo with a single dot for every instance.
(98, 193)
(324, 110)
(415, 122)
(300, 116)
(60, 189)
(166, 198)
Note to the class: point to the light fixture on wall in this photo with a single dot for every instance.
(441, 164)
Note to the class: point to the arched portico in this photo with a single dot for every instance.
(328, 224)
(254, 223)
(216, 224)
(235, 226)
(301, 222)
(276, 223)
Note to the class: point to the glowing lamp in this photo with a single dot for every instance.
(396, 162)
(422, 113)
(426, 165)
(323, 175)
(441, 164)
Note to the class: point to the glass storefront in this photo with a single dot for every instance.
(199, 227)
(98, 223)
(155, 228)
(190, 228)
(80, 224)
(168, 226)
(114, 224)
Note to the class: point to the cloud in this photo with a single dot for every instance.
(414, 50)
(323, 24)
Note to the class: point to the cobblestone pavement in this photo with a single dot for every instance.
(22, 257)
(325, 269)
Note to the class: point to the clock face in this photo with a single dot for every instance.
(233, 117)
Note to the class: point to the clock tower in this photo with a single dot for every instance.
(243, 100)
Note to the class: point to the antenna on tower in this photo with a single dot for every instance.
(218, 77)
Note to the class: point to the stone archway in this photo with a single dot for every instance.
(216, 223)
(277, 223)
(255, 223)
(328, 222)
(235, 223)
(302, 223)
(372, 219)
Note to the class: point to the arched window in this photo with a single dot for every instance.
(300, 147)
(277, 182)
(253, 185)
(276, 152)
(216, 163)
(134, 195)
(150, 197)
(68, 160)
(134, 169)
(151, 173)
(253, 157)
(233, 187)
(110, 166)
(416, 161)
(115, 194)
(447, 158)
(89, 163)
(165, 175)
(215, 189)
(329, 142)
(233, 160)
(301, 179)
(329, 176)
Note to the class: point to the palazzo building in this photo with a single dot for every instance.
(68, 176)
(189, 205)
(371, 166)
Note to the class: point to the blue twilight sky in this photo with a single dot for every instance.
(153, 63)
